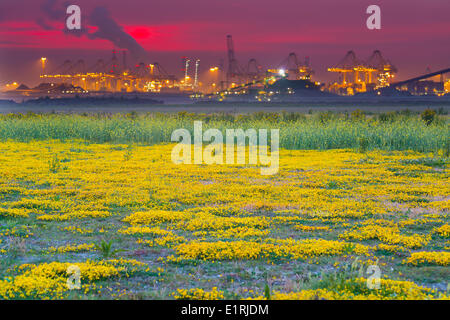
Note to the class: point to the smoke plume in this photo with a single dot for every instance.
(108, 29)
(100, 19)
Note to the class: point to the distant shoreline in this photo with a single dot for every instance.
(171, 105)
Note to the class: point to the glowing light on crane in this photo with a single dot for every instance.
(186, 69)
(197, 64)
(43, 61)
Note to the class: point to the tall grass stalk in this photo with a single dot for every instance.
(297, 131)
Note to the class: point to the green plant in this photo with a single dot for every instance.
(267, 291)
(349, 248)
(358, 115)
(446, 149)
(54, 164)
(105, 249)
(387, 117)
(428, 116)
(363, 144)
(332, 185)
(128, 153)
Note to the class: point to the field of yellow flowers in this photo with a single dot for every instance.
(138, 226)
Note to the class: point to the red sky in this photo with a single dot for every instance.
(415, 34)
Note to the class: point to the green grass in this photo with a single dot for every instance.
(322, 131)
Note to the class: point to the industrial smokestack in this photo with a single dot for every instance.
(108, 29)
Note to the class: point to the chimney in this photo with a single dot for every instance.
(124, 60)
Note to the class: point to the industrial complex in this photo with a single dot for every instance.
(294, 77)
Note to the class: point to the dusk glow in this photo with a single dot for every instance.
(176, 152)
(414, 35)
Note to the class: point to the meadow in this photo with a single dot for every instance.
(402, 130)
(99, 193)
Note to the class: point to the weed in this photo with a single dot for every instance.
(54, 164)
(363, 144)
(428, 116)
(105, 249)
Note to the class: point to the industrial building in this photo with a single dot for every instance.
(292, 76)
(356, 76)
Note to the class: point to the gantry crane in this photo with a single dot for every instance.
(346, 66)
(385, 69)
(109, 76)
(350, 69)
(295, 69)
(235, 74)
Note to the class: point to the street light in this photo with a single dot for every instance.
(215, 76)
(43, 61)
